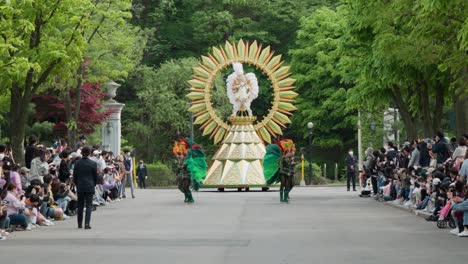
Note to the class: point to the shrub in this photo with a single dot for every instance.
(160, 175)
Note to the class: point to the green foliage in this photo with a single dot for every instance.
(42, 130)
(160, 175)
(316, 66)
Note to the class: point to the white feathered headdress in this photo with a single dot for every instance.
(251, 80)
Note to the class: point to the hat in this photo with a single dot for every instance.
(24, 170)
(96, 152)
(436, 181)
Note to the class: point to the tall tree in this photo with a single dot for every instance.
(38, 39)
(316, 64)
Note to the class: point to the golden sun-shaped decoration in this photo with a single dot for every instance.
(262, 59)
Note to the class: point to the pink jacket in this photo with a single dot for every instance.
(16, 179)
(14, 205)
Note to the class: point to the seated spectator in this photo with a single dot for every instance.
(39, 165)
(30, 210)
(24, 175)
(4, 220)
(15, 178)
(14, 206)
(460, 210)
(61, 196)
(48, 208)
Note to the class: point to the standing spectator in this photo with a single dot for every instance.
(459, 152)
(415, 155)
(30, 151)
(128, 163)
(80, 143)
(6, 155)
(64, 169)
(351, 170)
(424, 156)
(441, 148)
(142, 173)
(39, 165)
(85, 179)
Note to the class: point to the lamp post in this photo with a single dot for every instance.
(310, 125)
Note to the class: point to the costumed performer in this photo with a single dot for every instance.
(278, 166)
(191, 167)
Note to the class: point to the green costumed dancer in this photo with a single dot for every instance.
(278, 166)
(191, 167)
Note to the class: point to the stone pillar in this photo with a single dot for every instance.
(111, 128)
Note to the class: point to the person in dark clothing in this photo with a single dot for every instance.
(85, 177)
(424, 157)
(392, 151)
(142, 173)
(29, 152)
(441, 148)
(64, 169)
(351, 170)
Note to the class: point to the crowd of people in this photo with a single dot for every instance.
(429, 175)
(44, 190)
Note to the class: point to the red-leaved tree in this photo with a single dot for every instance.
(91, 113)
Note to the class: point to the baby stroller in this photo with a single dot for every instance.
(445, 217)
(366, 192)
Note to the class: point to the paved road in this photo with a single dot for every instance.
(320, 225)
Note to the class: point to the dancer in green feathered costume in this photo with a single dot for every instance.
(191, 166)
(278, 166)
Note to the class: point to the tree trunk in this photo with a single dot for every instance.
(18, 117)
(460, 108)
(426, 112)
(439, 106)
(410, 122)
(73, 115)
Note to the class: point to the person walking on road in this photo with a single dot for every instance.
(85, 178)
(351, 170)
(142, 173)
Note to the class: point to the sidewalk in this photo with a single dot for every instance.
(420, 213)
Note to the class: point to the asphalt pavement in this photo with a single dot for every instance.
(319, 225)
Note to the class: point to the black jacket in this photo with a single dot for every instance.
(351, 161)
(142, 172)
(85, 175)
(64, 171)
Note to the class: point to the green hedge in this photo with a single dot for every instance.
(160, 175)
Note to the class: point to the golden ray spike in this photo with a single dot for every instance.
(286, 82)
(287, 94)
(209, 128)
(218, 55)
(201, 72)
(264, 134)
(202, 118)
(262, 59)
(253, 51)
(219, 135)
(197, 108)
(283, 70)
(230, 52)
(241, 49)
(274, 62)
(209, 63)
(286, 106)
(284, 119)
(195, 95)
(197, 83)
